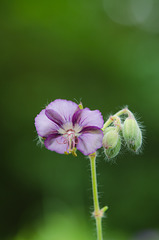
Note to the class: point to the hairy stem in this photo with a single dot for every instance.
(98, 213)
(115, 116)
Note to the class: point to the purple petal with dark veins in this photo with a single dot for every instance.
(64, 108)
(54, 116)
(76, 116)
(90, 129)
(57, 143)
(91, 118)
(44, 126)
(89, 142)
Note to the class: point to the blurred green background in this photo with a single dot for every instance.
(105, 53)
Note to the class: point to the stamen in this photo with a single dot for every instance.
(70, 138)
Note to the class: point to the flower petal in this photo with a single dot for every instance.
(90, 129)
(54, 116)
(44, 126)
(91, 118)
(76, 116)
(63, 107)
(88, 143)
(56, 142)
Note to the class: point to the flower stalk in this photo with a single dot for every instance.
(98, 213)
(115, 117)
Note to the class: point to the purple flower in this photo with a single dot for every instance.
(65, 128)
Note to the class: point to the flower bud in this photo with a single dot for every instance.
(132, 134)
(111, 142)
(110, 138)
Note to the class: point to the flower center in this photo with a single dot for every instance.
(70, 135)
(71, 140)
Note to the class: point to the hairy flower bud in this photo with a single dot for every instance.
(110, 137)
(132, 134)
(111, 142)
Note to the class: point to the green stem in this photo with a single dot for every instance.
(112, 118)
(98, 213)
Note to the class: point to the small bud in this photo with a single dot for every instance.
(110, 137)
(80, 105)
(111, 142)
(132, 134)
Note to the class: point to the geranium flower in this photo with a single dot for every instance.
(65, 127)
